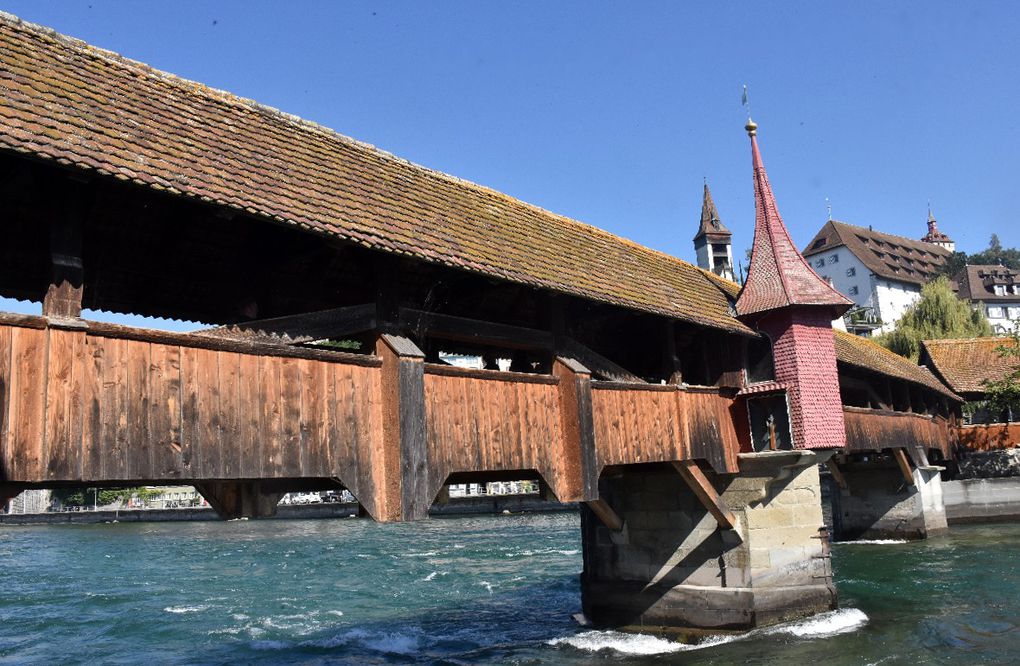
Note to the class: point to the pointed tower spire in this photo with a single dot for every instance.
(779, 276)
(713, 242)
(936, 237)
(788, 302)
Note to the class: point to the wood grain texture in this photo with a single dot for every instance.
(877, 429)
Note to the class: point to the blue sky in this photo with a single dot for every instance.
(612, 113)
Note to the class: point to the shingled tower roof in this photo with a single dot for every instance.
(711, 225)
(934, 235)
(778, 276)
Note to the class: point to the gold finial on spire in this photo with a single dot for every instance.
(751, 127)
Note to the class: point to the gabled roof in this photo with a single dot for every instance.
(711, 225)
(80, 106)
(778, 276)
(965, 364)
(977, 283)
(887, 256)
(867, 355)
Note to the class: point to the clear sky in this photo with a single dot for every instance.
(612, 113)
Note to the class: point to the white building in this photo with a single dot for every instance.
(30, 501)
(882, 273)
(995, 289)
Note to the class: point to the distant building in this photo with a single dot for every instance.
(882, 273)
(995, 289)
(173, 497)
(713, 242)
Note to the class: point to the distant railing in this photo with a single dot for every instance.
(877, 429)
(989, 436)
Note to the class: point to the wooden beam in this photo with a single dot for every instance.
(904, 464)
(64, 293)
(578, 463)
(301, 328)
(404, 480)
(598, 364)
(449, 327)
(705, 492)
(605, 513)
(837, 474)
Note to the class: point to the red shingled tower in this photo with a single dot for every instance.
(785, 299)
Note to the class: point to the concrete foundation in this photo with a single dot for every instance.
(981, 500)
(672, 568)
(239, 499)
(878, 503)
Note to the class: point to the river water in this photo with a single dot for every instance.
(478, 590)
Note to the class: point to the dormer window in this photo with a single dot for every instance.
(1000, 290)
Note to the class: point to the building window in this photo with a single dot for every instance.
(1000, 290)
(850, 272)
(760, 366)
(820, 262)
(854, 291)
(1014, 312)
(834, 259)
(995, 312)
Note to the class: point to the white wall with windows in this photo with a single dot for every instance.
(1002, 316)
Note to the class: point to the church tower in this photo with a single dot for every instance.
(936, 237)
(713, 241)
(788, 302)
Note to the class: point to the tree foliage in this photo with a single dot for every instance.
(1003, 395)
(937, 315)
(993, 255)
(97, 496)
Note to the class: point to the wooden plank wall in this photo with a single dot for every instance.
(659, 423)
(483, 420)
(989, 437)
(876, 429)
(77, 406)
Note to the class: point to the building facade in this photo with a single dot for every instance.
(881, 273)
(995, 290)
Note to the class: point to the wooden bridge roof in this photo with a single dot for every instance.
(966, 364)
(863, 353)
(81, 106)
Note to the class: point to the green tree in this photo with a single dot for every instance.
(1003, 395)
(937, 315)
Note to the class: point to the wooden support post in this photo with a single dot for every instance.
(64, 294)
(837, 474)
(605, 513)
(705, 492)
(578, 470)
(402, 479)
(901, 460)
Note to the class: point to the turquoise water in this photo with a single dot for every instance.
(491, 590)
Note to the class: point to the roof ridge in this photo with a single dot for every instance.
(927, 245)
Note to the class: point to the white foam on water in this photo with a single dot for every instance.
(487, 585)
(637, 644)
(873, 542)
(430, 553)
(392, 644)
(432, 576)
(834, 622)
(335, 612)
(185, 609)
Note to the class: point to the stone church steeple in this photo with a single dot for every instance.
(713, 242)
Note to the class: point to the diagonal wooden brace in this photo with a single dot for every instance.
(705, 492)
(901, 460)
(605, 513)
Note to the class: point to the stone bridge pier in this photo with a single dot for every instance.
(747, 551)
(891, 495)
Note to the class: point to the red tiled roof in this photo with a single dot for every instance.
(863, 353)
(887, 256)
(966, 364)
(779, 276)
(72, 103)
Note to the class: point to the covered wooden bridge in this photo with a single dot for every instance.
(331, 279)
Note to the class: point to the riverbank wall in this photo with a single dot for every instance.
(492, 504)
(981, 500)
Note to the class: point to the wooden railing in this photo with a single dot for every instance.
(876, 429)
(87, 402)
(989, 436)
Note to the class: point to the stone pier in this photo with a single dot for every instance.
(240, 499)
(673, 567)
(882, 497)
